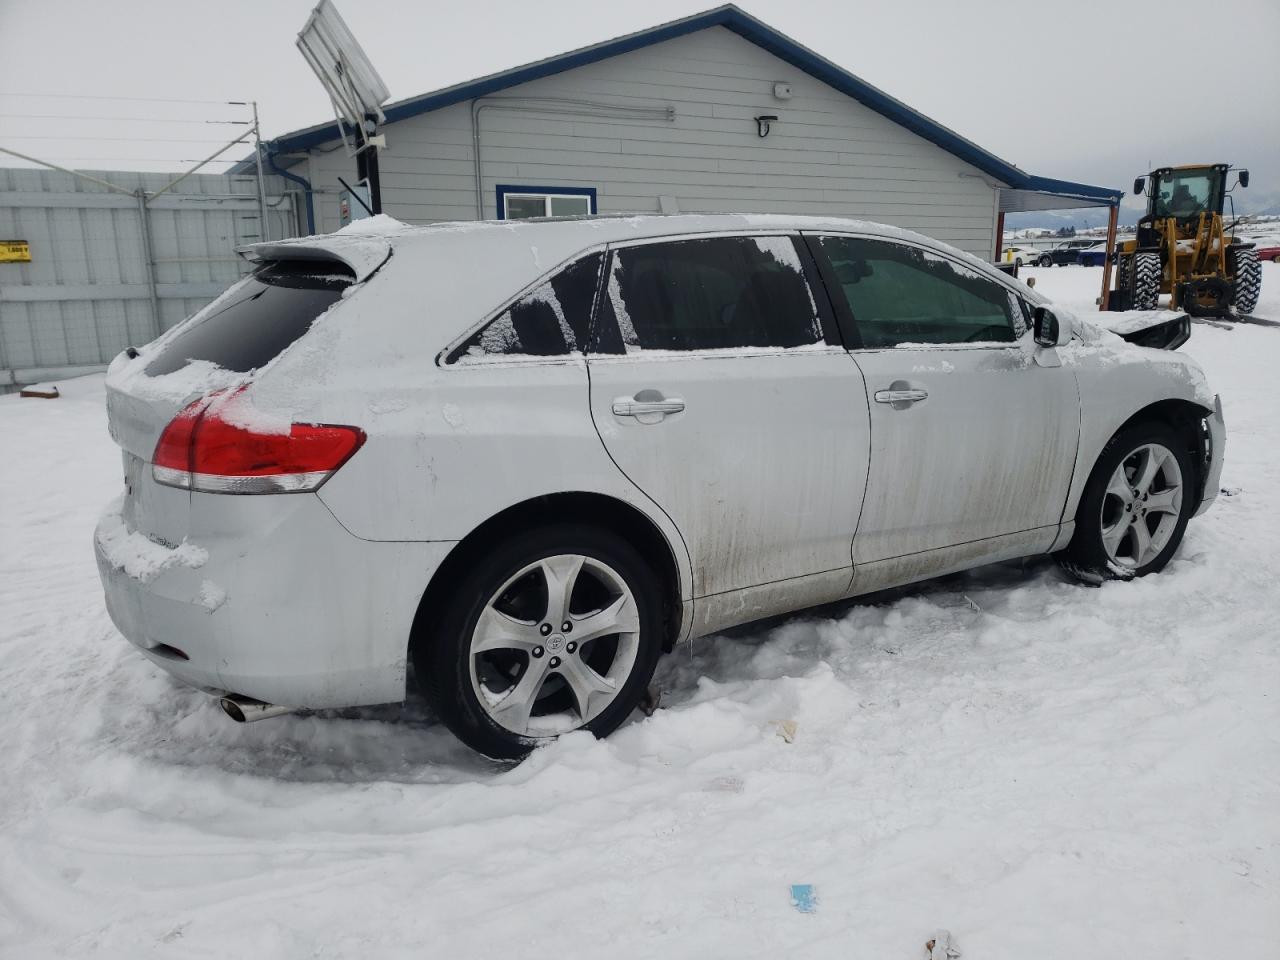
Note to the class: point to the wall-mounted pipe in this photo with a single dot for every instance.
(301, 181)
(562, 106)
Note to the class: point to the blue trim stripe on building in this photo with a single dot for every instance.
(762, 35)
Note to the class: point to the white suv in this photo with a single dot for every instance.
(529, 458)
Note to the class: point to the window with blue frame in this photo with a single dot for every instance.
(521, 203)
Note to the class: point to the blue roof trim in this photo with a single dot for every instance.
(757, 32)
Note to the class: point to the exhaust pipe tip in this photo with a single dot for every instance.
(247, 710)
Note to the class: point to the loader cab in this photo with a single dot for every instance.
(1183, 193)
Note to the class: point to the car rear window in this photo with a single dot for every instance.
(274, 307)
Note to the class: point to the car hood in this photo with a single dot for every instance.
(1158, 329)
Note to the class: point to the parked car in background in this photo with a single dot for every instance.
(1268, 248)
(1066, 253)
(530, 457)
(1022, 256)
(1094, 255)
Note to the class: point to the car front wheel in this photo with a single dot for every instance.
(1135, 506)
(554, 630)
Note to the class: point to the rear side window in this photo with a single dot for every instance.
(271, 309)
(721, 293)
(549, 321)
(901, 294)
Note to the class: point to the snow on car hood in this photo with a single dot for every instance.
(1125, 322)
(1157, 329)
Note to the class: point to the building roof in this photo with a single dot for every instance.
(749, 28)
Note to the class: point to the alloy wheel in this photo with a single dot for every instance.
(554, 646)
(1141, 506)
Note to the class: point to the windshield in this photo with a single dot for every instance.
(1186, 193)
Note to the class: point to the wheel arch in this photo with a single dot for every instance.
(606, 512)
(1187, 419)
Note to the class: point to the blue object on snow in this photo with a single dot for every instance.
(804, 897)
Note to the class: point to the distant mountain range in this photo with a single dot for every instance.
(1266, 205)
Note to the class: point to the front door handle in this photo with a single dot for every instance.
(647, 406)
(901, 396)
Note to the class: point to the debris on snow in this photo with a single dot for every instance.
(726, 785)
(804, 897)
(940, 947)
(40, 391)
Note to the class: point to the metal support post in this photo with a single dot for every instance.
(1110, 255)
(263, 232)
(149, 256)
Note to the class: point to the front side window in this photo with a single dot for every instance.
(900, 294)
(523, 203)
(721, 293)
(550, 320)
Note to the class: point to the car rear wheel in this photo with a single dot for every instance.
(1135, 506)
(557, 629)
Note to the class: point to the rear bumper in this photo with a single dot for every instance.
(297, 612)
(1218, 447)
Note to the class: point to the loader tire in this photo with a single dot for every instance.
(1247, 275)
(1145, 285)
(1124, 273)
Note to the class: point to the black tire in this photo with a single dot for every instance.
(1144, 285)
(1122, 287)
(1086, 556)
(442, 655)
(1045, 261)
(1246, 275)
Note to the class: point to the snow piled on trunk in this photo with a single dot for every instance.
(1043, 769)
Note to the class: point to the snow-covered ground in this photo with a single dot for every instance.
(1047, 770)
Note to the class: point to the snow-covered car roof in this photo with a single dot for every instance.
(366, 244)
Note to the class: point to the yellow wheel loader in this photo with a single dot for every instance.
(1183, 249)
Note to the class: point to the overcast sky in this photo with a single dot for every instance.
(1084, 90)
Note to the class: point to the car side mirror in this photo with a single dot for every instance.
(1139, 185)
(1048, 329)
(1244, 178)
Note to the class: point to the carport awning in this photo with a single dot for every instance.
(1043, 193)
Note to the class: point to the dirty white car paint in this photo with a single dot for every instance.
(777, 481)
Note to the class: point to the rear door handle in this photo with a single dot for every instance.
(901, 396)
(625, 407)
(647, 406)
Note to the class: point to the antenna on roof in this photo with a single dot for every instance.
(354, 88)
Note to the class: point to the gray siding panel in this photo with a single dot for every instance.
(828, 154)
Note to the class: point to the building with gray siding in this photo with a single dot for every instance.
(667, 120)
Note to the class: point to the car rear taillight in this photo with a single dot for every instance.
(212, 446)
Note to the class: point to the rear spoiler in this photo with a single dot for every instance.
(363, 254)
